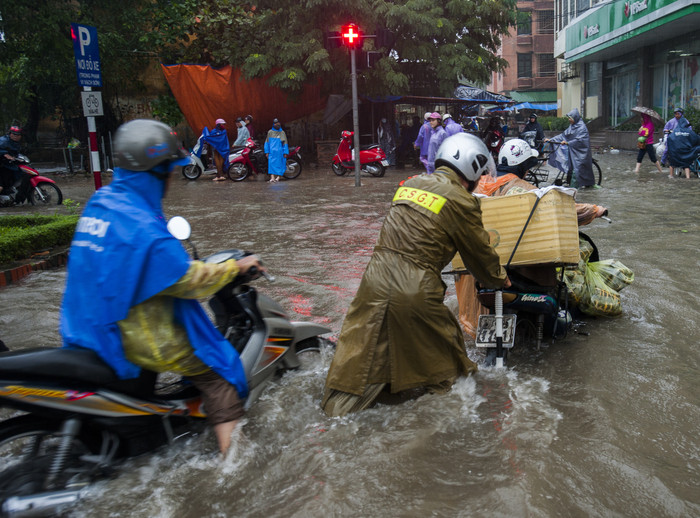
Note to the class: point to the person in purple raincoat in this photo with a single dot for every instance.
(437, 135)
(451, 126)
(423, 141)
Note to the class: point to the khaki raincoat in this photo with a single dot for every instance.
(398, 330)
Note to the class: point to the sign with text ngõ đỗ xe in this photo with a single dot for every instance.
(87, 54)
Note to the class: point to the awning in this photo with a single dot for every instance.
(527, 106)
(535, 97)
(417, 99)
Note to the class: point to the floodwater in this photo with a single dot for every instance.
(604, 423)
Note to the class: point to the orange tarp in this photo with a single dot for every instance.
(206, 94)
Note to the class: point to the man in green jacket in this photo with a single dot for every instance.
(398, 334)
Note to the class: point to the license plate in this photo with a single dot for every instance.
(486, 331)
(385, 163)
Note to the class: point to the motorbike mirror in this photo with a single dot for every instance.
(180, 228)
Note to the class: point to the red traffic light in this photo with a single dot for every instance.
(352, 37)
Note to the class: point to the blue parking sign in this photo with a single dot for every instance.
(87, 54)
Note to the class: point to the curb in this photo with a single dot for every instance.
(11, 274)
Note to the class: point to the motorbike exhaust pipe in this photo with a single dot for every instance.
(41, 504)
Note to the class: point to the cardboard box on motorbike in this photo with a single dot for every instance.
(551, 236)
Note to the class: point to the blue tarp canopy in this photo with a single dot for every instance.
(473, 94)
(528, 106)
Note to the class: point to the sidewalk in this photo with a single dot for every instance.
(12, 273)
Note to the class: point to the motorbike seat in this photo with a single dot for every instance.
(368, 147)
(82, 368)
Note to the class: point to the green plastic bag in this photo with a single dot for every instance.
(614, 273)
(599, 300)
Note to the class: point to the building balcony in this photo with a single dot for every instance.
(524, 82)
(524, 39)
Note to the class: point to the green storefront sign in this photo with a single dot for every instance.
(618, 21)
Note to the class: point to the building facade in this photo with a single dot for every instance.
(617, 54)
(529, 50)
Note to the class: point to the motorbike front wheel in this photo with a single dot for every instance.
(191, 172)
(28, 446)
(45, 193)
(375, 169)
(338, 169)
(293, 168)
(238, 172)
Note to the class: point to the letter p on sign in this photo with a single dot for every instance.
(83, 38)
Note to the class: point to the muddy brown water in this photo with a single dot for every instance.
(600, 424)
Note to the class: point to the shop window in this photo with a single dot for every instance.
(545, 22)
(524, 65)
(547, 65)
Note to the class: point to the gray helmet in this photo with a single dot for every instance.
(467, 155)
(143, 144)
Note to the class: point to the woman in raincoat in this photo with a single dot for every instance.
(276, 151)
(574, 154)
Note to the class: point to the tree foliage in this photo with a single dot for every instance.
(436, 44)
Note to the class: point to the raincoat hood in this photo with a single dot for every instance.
(574, 114)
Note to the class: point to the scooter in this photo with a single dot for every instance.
(41, 190)
(494, 140)
(251, 159)
(372, 158)
(81, 420)
(196, 167)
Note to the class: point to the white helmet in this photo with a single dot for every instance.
(467, 155)
(446, 116)
(515, 152)
(427, 115)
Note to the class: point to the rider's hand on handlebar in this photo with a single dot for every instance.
(250, 265)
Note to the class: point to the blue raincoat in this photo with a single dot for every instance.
(276, 147)
(423, 140)
(437, 135)
(121, 255)
(216, 138)
(577, 154)
(452, 127)
(682, 144)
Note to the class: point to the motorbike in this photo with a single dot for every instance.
(41, 190)
(81, 421)
(534, 307)
(196, 167)
(251, 159)
(494, 140)
(372, 158)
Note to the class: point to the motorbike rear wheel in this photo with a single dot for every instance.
(191, 172)
(374, 168)
(293, 169)
(238, 172)
(45, 193)
(338, 169)
(28, 446)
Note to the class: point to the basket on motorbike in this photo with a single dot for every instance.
(532, 236)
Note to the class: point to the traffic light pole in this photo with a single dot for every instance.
(355, 116)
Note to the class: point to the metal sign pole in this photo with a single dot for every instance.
(94, 153)
(355, 117)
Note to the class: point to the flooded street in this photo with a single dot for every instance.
(601, 424)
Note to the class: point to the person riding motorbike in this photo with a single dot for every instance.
(493, 136)
(131, 287)
(13, 182)
(398, 334)
(516, 157)
(574, 155)
(534, 129)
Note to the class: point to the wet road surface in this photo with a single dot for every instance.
(603, 424)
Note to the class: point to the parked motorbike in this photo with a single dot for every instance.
(81, 420)
(41, 190)
(251, 159)
(372, 158)
(196, 167)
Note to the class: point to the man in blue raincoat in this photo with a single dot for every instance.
(422, 142)
(131, 288)
(574, 153)
(218, 142)
(276, 151)
(683, 147)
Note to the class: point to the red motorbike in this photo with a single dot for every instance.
(372, 158)
(251, 158)
(41, 190)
